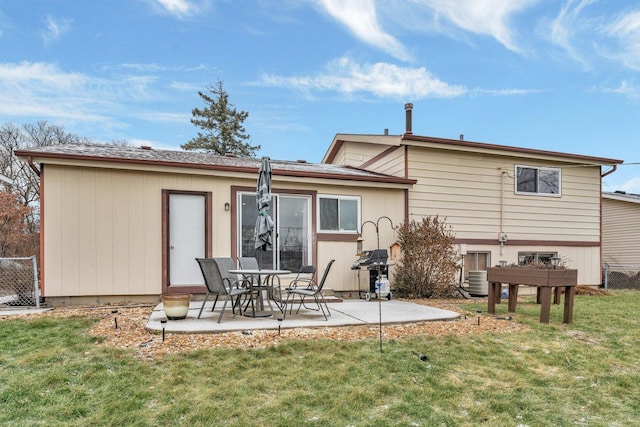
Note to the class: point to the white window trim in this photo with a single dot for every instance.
(527, 193)
(358, 200)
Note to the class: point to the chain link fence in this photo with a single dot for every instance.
(19, 282)
(621, 276)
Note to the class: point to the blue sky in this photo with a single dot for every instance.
(545, 74)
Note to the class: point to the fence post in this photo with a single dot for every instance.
(36, 288)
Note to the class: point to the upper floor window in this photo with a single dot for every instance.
(338, 213)
(537, 180)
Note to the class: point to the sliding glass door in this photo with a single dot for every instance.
(291, 236)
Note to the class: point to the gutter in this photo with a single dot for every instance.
(613, 169)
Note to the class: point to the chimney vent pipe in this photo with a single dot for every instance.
(408, 109)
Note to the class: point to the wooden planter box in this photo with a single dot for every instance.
(543, 279)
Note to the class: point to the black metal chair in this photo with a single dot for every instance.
(312, 289)
(306, 275)
(220, 282)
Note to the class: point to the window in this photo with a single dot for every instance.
(535, 180)
(338, 213)
(535, 257)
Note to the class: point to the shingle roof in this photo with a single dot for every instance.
(191, 159)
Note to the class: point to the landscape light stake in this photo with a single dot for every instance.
(479, 311)
(163, 322)
(115, 317)
(279, 323)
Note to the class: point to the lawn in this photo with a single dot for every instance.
(586, 373)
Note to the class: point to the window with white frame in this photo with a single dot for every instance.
(338, 214)
(538, 180)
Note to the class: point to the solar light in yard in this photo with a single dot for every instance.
(478, 316)
(279, 324)
(555, 261)
(115, 317)
(163, 322)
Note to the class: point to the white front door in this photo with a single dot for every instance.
(186, 238)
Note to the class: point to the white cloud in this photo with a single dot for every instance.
(380, 79)
(487, 17)
(43, 91)
(566, 26)
(55, 29)
(626, 88)
(632, 185)
(360, 17)
(625, 30)
(506, 92)
(180, 9)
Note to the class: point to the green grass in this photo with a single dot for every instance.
(586, 373)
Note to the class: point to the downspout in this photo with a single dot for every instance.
(612, 170)
(502, 236)
(33, 166)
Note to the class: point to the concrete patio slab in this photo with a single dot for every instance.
(350, 312)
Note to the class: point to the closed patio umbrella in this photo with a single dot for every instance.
(264, 223)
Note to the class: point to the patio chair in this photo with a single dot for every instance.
(306, 275)
(220, 282)
(313, 289)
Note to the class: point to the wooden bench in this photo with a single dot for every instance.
(544, 279)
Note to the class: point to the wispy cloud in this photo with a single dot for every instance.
(568, 25)
(380, 79)
(632, 185)
(488, 17)
(55, 29)
(625, 32)
(44, 91)
(360, 17)
(506, 92)
(180, 9)
(626, 88)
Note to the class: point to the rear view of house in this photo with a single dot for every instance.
(503, 203)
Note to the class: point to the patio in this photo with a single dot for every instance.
(348, 312)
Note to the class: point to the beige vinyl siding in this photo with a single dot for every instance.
(391, 164)
(620, 232)
(585, 259)
(376, 203)
(359, 153)
(103, 227)
(467, 189)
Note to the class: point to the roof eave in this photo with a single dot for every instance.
(467, 145)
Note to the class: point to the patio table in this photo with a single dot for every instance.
(261, 284)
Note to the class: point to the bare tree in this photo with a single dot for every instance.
(26, 183)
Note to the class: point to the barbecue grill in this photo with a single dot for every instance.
(376, 262)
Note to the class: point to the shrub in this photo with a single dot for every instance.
(428, 264)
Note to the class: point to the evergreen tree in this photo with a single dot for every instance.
(221, 124)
